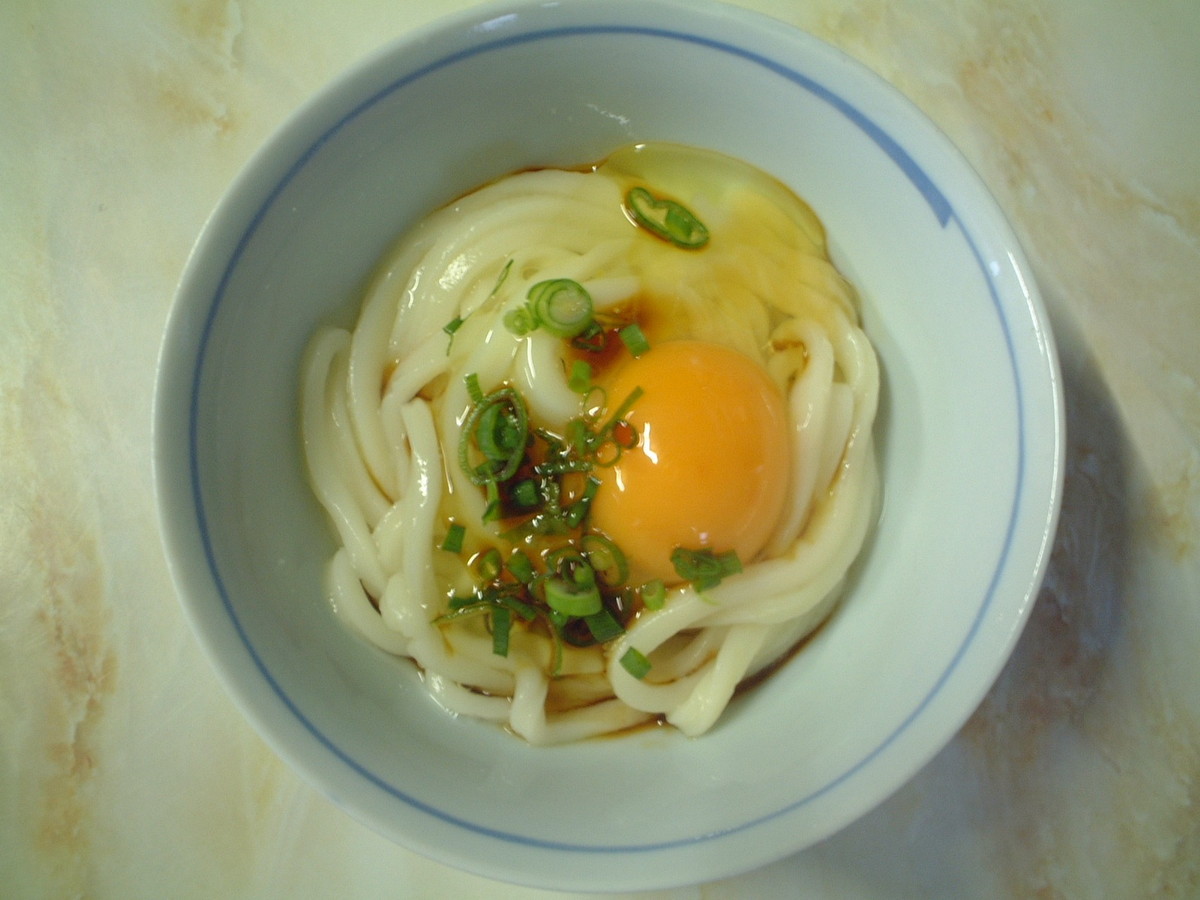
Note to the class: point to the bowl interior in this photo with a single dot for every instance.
(969, 441)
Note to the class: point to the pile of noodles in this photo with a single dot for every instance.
(382, 406)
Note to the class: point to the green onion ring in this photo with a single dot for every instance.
(666, 219)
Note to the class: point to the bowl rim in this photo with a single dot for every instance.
(478, 30)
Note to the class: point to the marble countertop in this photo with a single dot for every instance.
(125, 770)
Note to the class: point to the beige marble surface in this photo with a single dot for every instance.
(124, 769)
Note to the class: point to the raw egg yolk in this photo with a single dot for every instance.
(710, 468)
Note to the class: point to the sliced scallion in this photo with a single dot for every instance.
(704, 568)
(488, 564)
(474, 391)
(571, 598)
(580, 378)
(578, 510)
(520, 607)
(454, 538)
(565, 559)
(525, 493)
(604, 626)
(491, 512)
(561, 306)
(634, 339)
(666, 219)
(635, 663)
(500, 279)
(622, 411)
(499, 426)
(519, 321)
(578, 437)
(463, 610)
(501, 626)
(654, 594)
(606, 558)
(521, 566)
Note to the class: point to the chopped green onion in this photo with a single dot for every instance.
(450, 328)
(565, 560)
(491, 512)
(703, 568)
(654, 594)
(525, 493)
(635, 663)
(521, 566)
(606, 558)
(580, 379)
(454, 538)
(577, 436)
(573, 599)
(488, 564)
(521, 608)
(579, 509)
(501, 626)
(500, 280)
(461, 608)
(634, 339)
(499, 425)
(666, 219)
(487, 431)
(610, 440)
(604, 626)
(498, 432)
(623, 410)
(520, 321)
(562, 306)
(473, 389)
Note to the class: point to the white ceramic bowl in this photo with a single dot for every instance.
(970, 440)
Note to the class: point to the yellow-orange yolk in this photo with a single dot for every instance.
(710, 468)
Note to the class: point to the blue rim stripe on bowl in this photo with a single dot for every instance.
(941, 208)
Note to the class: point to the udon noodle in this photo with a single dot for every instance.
(426, 545)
